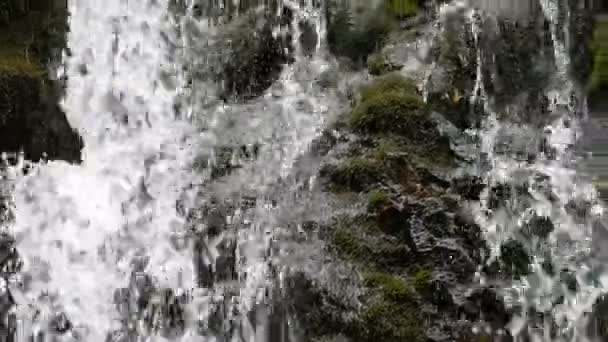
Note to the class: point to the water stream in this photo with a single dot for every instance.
(144, 214)
(87, 231)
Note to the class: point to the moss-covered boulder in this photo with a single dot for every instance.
(251, 57)
(392, 105)
(355, 173)
(355, 32)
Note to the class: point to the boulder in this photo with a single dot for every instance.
(251, 57)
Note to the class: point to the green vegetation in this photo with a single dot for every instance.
(354, 240)
(376, 64)
(348, 243)
(391, 104)
(393, 288)
(389, 83)
(354, 173)
(14, 56)
(389, 321)
(392, 317)
(422, 280)
(390, 112)
(599, 77)
(377, 199)
(403, 8)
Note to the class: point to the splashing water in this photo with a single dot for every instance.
(552, 183)
(84, 230)
(78, 227)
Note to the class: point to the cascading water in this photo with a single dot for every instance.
(538, 190)
(86, 231)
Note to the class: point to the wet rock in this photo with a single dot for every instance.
(60, 323)
(513, 262)
(485, 303)
(392, 104)
(315, 308)
(356, 174)
(579, 210)
(451, 83)
(469, 187)
(353, 243)
(499, 195)
(252, 57)
(308, 38)
(31, 120)
(539, 226)
(356, 34)
(581, 34)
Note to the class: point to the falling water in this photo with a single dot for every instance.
(543, 187)
(86, 231)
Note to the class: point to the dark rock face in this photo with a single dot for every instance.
(513, 53)
(355, 36)
(32, 121)
(252, 57)
(581, 40)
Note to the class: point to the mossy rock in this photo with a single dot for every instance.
(389, 321)
(422, 280)
(599, 76)
(393, 288)
(394, 113)
(403, 8)
(398, 153)
(252, 56)
(377, 199)
(359, 240)
(376, 64)
(392, 82)
(357, 35)
(19, 66)
(392, 105)
(319, 312)
(355, 174)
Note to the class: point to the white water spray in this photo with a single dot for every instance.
(81, 229)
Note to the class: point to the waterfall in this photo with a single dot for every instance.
(538, 188)
(131, 225)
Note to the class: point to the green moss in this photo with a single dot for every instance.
(354, 173)
(393, 288)
(14, 54)
(403, 8)
(377, 199)
(392, 82)
(390, 113)
(599, 77)
(422, 280)
(391, 104)
(392, 322)
(348, 243)
(16, 65)
(432, 152)
(356, 239)
(376, 64)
